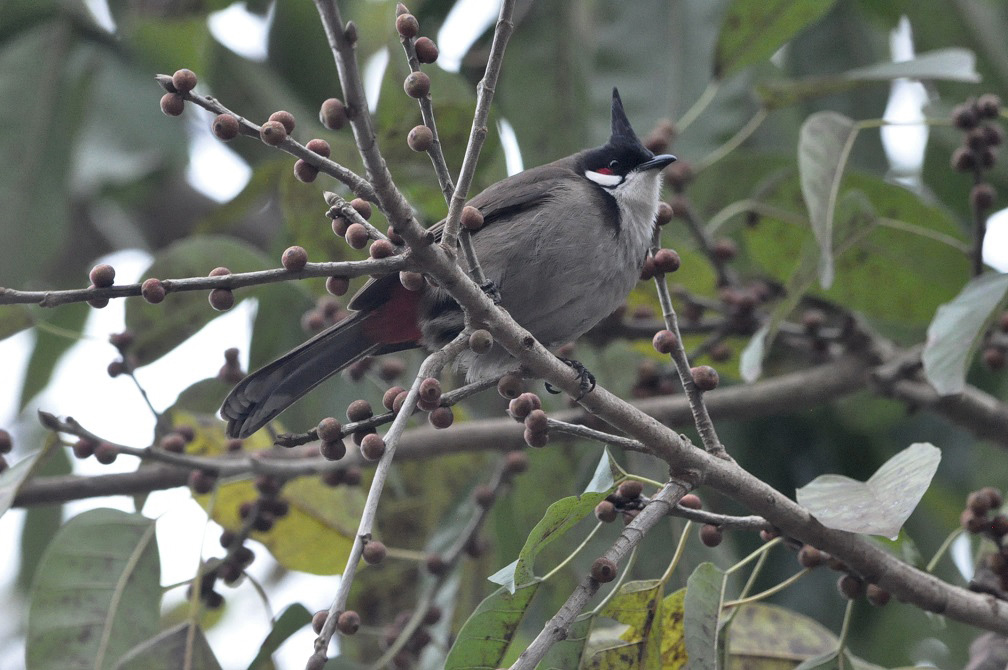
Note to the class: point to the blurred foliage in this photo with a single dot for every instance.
(90, 166)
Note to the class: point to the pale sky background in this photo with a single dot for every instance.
(219, 172)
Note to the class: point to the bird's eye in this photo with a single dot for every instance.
(613, 165)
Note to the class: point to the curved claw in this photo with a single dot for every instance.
(586, 378)
(492, 292)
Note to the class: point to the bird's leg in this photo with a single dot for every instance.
(586, 378)
(492, 291)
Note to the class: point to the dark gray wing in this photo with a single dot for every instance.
(500, 200)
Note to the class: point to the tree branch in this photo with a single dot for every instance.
(9, 296)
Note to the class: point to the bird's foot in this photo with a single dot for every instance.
(586, 378)
(492, 292)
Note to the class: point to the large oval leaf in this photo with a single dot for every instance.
(160, 328)
(637, 604)
(97, 592)
(823, 146)
(880, 505)
(956, 330)
(486, 634)
(320, 516)
(754, 29)
(702, 609)
(177, 647)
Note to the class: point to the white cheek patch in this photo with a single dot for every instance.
(605, 180)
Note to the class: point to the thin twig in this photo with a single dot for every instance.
(724, 521)
(587, 433)
(498, 482)
(354, 182)
(701, 417)
(348, 212)
(477, 135)
(431, 366)
(9, 296)
(427, 113)
(557, 627)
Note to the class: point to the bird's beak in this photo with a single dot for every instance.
(656, 163)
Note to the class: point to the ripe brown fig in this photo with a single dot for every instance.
(407, 26)
(286, 119)
(664, 341)
(363, 207)
(605, 512)
(705, 377)
(420, 138)
(273, 133)
(184, 80)
(304, 171)
(329, 428)
(172, 104)
(333, 114)
(417, 85)
(426, 50)
(374, 552)
(102, 276)
(225, 127)
(222, 299)
(356, 236)
(321, 147)
(472, 218)
(348, 622)
(710, 535)
(372, 447)
(294, 258)
(337, 285)
(604, 570)
(480, 341)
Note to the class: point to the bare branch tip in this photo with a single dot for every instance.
(48, 420)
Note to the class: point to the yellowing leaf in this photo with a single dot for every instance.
(317, 533)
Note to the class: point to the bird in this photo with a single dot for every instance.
(562, 244)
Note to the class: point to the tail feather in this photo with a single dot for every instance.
(262, 395)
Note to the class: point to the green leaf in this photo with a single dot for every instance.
(485, 636)
(754, 29)
(319, 514)
(957, 330)
(673, 641)
(854, 220)
(183, 646)
(290, 621)
(954, 64)
(824, 143)
(829, 660)
(637, 605)
(561, 516)
(41, 521)
(879, 506)
(606, 473)
(97, 592)
(45, 89)
(277, 325)
(165, 44)
(704, 590)
(767, 633)
(14, 319)
(50, 345)
(751, 359)
(160, 328)
(14, 477)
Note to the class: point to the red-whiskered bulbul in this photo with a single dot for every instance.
(562, 243)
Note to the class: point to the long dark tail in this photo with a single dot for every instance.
(265, 393)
